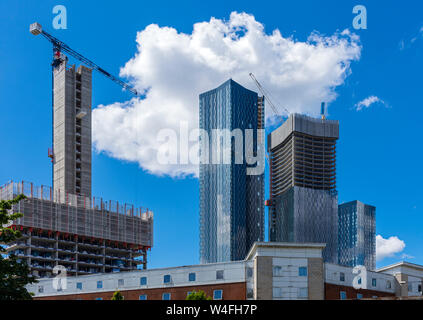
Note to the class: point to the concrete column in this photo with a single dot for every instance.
(316, 285)
(263, 278)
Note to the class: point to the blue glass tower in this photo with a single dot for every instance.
(357, 235)
(231, 199)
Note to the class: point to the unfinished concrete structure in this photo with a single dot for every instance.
(64, 227)
(304, 201)
(83, 235)
(71, 154)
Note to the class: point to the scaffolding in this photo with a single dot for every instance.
(79, 215)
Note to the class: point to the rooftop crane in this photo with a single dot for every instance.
(267, 96)
(59, 46)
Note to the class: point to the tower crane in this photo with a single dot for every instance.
(267, 96)
(59, 46)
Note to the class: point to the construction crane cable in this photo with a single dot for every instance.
(58, 45)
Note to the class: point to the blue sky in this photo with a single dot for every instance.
(379, 151)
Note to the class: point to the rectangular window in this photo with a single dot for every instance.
(388, 284)
(420, 288)
(410, 287)
(343, 295)
(79, 285)
(166, 278)
(249, 272)
(217, 294)
(359, 296)
(277, 271)
(121, 282)
(99, 284)
(302, 271)
(143, 281)
(166, 296)
(40, 289)
(188, 293)
(303, 293)
(143, 297)
(191, 277)
(342, 277)
(277, 292)
(99, 298)
(219, 275)
(374, 283)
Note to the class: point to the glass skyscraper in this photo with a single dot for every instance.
(231, 199)
(357, 235)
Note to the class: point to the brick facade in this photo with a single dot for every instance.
(333, 292)
(231, 291)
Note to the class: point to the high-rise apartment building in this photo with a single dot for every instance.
(304, 202)
(357, 235)
(231, 192)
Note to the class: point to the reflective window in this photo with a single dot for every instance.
(302, 271)
(143, 281)
(166, 296)
(166, 278)
(342, 277)
(99, 284)
(217, 294)
(219, 275)
(343, 295)
(143, 297)
(191, 277)
(79, 285)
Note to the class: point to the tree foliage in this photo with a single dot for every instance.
(14, 274)
(117, 296)
(198, 295)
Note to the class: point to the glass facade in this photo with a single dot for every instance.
(306, 215)
(231, 201)
(357, 235)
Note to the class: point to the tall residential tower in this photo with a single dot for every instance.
(231, 194)
(304, 201)
(357, 235)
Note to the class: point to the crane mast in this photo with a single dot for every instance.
(60, 46)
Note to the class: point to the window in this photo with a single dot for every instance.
(40, 289)
(374, 283)
(302, 293)
(277, 292)
(99, 284)
(166, 278)
(188, 293)
(99, 298)
(219, 275)
(277, 271)
(143, 281)
(302, 271)
(166, 296)
(79, 285)
(249, 272)
(359, 280)
(217, 294)
(359, 296)
(410, 287)
(143, 297)
(343, 295)
(121, 282)
(342, 277)
(420, 288)
(191, 277)
(388, 284)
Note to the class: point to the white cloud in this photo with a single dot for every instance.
(388, 247)
(366, 103)
(173, 68)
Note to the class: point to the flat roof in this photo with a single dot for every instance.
(401, 264)
(287, 245)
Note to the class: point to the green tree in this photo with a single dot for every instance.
(198, 295)
(14, 274)
(117, 296)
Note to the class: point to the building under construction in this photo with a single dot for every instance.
(65, 225)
